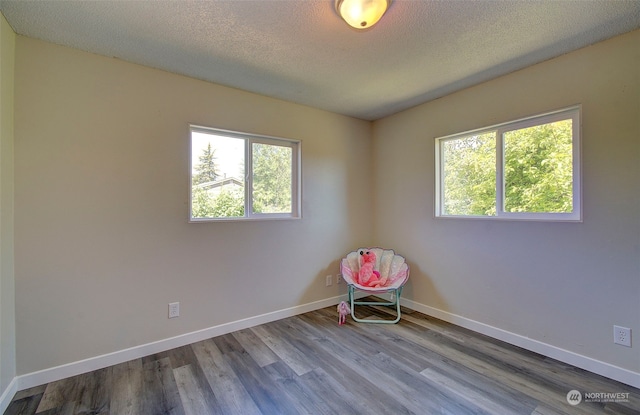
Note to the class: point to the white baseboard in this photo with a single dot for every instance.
(7, 395)
(592, 365)
(72, 369)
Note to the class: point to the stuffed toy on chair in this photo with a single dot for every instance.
(367, 276)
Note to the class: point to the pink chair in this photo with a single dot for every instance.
(393, 274)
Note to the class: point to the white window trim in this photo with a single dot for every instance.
(573, 113)
(249, 140)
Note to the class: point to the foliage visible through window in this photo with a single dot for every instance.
(538, 168)
(271, 178)
(470, 175)
(240, 176)
(526, 169)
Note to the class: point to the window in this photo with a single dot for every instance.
(527, 169)
(236, 176)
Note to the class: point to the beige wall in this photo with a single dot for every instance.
(563, 284)
(101, 177)
(7, 287)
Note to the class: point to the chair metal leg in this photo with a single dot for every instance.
(353, 303)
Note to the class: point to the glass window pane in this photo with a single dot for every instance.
(469, 175)
(217, 176)
(271, 178)
(538, 168)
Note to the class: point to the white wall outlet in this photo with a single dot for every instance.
(622, 336)
(339, 279)
(328, 280)
(174, 310)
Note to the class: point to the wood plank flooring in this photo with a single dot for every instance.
(307, 364)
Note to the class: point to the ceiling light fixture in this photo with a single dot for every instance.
(361, 14)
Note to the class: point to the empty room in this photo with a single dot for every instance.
(189, 190)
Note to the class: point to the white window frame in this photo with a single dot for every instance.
(573, 113)
(249, 140)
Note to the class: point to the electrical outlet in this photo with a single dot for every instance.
(339, 279)
(622, 336)
(328, 280)
(174, 310)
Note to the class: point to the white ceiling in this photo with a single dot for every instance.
(300, 50)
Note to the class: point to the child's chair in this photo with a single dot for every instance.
(391, 272)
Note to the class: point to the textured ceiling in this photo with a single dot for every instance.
(301, 51)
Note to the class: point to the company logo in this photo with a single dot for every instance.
(574, 397)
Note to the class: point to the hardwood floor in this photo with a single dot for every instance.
(309, 365)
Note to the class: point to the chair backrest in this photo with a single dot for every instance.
(391, 266)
